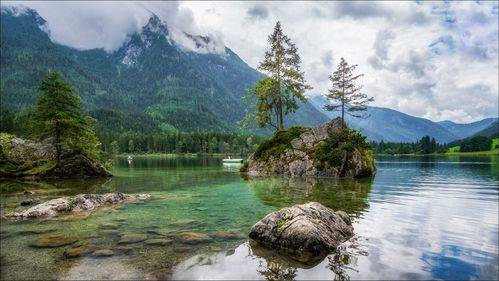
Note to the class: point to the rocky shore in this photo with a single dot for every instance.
(20, 158)
(77, 204)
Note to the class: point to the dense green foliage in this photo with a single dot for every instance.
(180, 142)
(338, 146)
(58, 116)
(425, 145)
(478, 143)
(278, 143)
(277, 94)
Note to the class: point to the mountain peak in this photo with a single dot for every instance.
(155, 25)
(21, 10)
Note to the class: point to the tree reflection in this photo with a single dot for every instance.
(347, 195)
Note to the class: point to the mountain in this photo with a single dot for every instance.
(389, 125)
(491, 131)
(467, 130)
(151, 84)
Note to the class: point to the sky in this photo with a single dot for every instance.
(436, 60)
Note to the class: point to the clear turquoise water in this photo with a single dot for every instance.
(419, 218)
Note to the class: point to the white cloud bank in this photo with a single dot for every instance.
(435, 60)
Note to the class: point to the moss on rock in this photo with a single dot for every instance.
(329, 150)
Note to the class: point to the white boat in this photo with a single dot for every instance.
(232, 160)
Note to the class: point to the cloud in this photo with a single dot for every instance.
(108, 24)
(258, 12)
(437, 60)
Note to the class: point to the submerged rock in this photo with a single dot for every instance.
(161, 231)
(228, 235)
(193, 237)
(304, 231)
(103, 253)
(158, 242)
(328, 150)
(76, 204)
(132, 238)
(52, 241)
(76, 251)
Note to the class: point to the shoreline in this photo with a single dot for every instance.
(474, 153)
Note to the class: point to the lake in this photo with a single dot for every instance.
(418, 218)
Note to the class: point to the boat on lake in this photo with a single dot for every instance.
(232, 160)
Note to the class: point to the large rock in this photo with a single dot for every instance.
(327, 150)
(30, 159)
(76, 204)
(304, 231)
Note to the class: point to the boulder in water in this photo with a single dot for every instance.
(304, 231)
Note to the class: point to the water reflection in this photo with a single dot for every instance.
(346, 195)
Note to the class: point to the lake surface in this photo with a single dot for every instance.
(418, 218)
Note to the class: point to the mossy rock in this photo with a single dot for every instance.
(329, 150)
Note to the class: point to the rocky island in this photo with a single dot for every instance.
(329, 150)
(20, 158)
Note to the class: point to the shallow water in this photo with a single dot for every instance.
(419, 218)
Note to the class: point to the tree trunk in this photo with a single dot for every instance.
(281, 117)
(58, 145)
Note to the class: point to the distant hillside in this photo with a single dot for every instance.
(149, 85)
(491, 131)
(466, 130)
(390, 125)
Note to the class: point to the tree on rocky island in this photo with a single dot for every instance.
(277, 94)
(345, 95)
(58, 116)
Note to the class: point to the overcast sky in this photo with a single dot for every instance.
(435, 60)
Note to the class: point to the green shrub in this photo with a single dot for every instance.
(337, 146)
(278, 143)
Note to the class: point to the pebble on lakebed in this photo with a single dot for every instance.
(77, 204)
(304, 231)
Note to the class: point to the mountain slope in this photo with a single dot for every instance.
(150, 80)
(491, 131)
(466, 130)
(389, 125)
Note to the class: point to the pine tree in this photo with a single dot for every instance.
(345, 95)
(277, 94)
(59, 117)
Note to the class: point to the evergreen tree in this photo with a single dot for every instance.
(58, 116)
(345, 95)
(277, 94)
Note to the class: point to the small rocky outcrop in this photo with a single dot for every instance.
(76, 204)
(30, 159)
(306, 231)
(329, 150)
